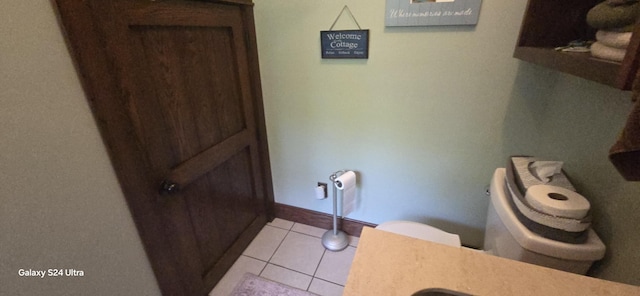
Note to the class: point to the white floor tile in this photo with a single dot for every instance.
(325, 288)
(281, 223)
(232, 277)
(353, 240)
(295, 253)
(310, 230)
(299, 252)
(335, 266)
(286, 276)
(266, 242)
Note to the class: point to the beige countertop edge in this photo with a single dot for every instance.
(389, 264)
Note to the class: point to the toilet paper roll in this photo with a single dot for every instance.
(557, 201)
(347, 184)
(320, 192)
(346, 180)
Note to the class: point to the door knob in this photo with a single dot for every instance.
(168, 187)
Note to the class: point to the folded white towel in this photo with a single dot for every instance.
(614, 39)
(601, 51)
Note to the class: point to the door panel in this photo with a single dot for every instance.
(172, 89)
(224, 193)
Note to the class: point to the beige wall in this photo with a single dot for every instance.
(430, 115)
(60, 204)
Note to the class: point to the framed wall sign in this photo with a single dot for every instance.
(402, 13)
(349, 44)
(345, 44)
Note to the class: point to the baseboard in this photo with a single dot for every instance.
(319, 219)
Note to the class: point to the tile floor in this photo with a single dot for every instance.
(292, 254)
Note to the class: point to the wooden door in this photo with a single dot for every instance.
(174, 87)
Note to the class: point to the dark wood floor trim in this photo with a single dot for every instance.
(319, 219)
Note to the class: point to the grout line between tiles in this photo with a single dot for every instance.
(287, 268)
(296, 271)
(328, 281)
(318, 266)
(316, 270)
(263, 268)
(321, 279)
(294, 224)
(313, 276)
(280, 244)
(281, 227)
(311, 235)
(249, 256)
(309, 286)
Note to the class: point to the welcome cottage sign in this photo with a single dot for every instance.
(347, 44)
(351, 44)
(432, 12)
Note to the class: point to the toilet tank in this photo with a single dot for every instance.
(506, 237)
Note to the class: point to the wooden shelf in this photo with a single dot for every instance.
(551, 23)
(578, 64)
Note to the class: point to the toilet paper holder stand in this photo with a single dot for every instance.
(334, 239)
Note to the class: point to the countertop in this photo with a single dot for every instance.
(390, 264)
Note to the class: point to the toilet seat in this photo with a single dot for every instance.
(421, 231)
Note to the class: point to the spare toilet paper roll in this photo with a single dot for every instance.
(557, 201)
(347, 184)
(544, 169)
(320, 192)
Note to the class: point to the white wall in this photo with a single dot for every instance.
(60, 204)
(430, 115)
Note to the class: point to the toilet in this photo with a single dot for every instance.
(506, 237)
(421, 231)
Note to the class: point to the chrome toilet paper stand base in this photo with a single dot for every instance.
(334, 239)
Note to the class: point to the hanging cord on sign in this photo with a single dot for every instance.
(339, 15)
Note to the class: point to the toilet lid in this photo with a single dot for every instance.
(421, 231)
